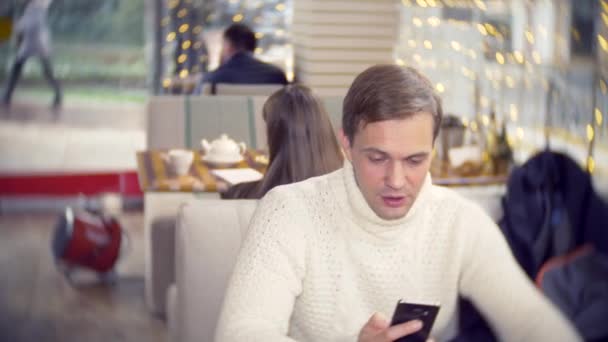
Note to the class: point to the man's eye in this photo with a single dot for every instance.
(376, 159)
(415, 161)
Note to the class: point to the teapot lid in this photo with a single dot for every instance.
(222, 145)
(223, 139)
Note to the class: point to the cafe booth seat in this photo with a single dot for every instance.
(240, 89)
(208, 237)
(182, 121)
(178, 121)
(160, 214)
(160, 237)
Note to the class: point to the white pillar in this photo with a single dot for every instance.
(562, 31)
(543, 29)
(549, 23)
(334, 40)
(602, 54)
(518, 25)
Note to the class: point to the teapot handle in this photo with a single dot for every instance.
(165, 157)
(205, 145)
(242, 147)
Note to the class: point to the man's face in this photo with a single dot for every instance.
(391, 159)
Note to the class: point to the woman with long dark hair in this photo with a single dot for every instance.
(301, 142)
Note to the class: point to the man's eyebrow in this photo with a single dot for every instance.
(374, 150)
(411, 156)
(418, 155)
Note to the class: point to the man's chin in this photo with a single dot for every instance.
(389, 214)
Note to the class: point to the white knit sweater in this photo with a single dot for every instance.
(318, 262)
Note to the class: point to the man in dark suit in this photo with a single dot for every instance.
(238, 65)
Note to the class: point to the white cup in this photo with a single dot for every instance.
(180, 161)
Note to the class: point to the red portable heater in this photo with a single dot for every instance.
(86, 239)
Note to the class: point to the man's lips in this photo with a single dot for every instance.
(394, 201)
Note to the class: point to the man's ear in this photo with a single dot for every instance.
(346, 147)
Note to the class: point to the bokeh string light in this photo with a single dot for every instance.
(185, 24)
(184, 54)
(492, 56)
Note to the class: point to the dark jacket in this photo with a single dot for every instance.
(243, 68)
(550, 209)
(578, 284)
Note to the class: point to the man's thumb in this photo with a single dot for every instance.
(378, 321)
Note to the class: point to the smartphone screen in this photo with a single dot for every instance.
(405, 312)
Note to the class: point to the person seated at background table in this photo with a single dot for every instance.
(326, 259)
(301, 142)
(238, 65)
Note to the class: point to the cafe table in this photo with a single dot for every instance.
(164, 193)
(484, 189)
(156, 175)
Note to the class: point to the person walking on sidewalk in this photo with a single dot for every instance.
(33, 40)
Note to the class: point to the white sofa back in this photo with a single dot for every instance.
(240, 89)
(182, 121)
(165, 122)
(209, 236)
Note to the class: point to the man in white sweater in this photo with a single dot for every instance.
(328, 258)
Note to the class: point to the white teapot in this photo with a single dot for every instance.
(223, 150)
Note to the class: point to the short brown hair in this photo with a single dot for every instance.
(388, 92)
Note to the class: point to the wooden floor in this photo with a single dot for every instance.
(38, 304)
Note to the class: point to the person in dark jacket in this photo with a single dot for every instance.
(238, 65)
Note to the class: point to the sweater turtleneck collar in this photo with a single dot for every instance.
(362, 213)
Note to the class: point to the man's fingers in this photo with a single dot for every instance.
(374, 326)
(403, 329)
(377, 322)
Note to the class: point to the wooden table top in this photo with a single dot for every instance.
(155, 173)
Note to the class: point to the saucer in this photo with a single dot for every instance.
(222, 160)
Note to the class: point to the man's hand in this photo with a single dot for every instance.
(378, 329)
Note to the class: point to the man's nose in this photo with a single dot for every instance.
(395, 176)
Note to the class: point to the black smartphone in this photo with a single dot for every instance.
(405, 312)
